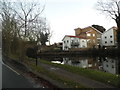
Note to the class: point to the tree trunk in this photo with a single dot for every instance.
(118, 31)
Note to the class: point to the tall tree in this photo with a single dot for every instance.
(111, 8)
(21, 22)
(8, 27)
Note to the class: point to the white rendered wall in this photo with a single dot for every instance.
(107, 38)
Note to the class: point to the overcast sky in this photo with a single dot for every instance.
(66, 15)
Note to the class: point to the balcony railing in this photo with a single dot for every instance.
(74, 44)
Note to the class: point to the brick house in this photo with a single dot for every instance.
(92, 35)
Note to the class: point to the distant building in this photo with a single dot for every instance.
(58, 45)
(109, 38)
(92, 35)
(74, 42)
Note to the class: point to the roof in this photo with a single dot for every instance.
(114, 28)
(90, 27)
(73, 37)
(77, 28)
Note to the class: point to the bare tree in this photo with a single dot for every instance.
(41, 30)
(27, 12)
(8, 26)
(111, 8)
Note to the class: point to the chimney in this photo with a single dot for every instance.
(77, 31)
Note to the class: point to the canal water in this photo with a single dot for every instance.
(105, 64)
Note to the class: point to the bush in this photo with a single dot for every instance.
(31, 52)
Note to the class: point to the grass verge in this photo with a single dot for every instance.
(67, 82)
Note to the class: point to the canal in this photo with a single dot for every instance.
(105, 64)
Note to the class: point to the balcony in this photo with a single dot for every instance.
(74, 44)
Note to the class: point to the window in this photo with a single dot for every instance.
(112, 66)
(111, 36)
(105, 42)
(93, 41)
(76, 41)
(64, 41)
(88, 34)
(112, 61)
(93, 35)
(111, 41)
(72, 41)
(105, 37)
(67, 41)
(66, 47)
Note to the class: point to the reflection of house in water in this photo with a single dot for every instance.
(81, 62)
(104, 64)
(111, 65)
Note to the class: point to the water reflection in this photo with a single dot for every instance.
(105, 64)
(84, 63)
(110, 65)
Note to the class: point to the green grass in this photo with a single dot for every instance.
(93, 74)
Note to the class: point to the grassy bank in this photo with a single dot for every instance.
(66, 81)
(93, 74)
